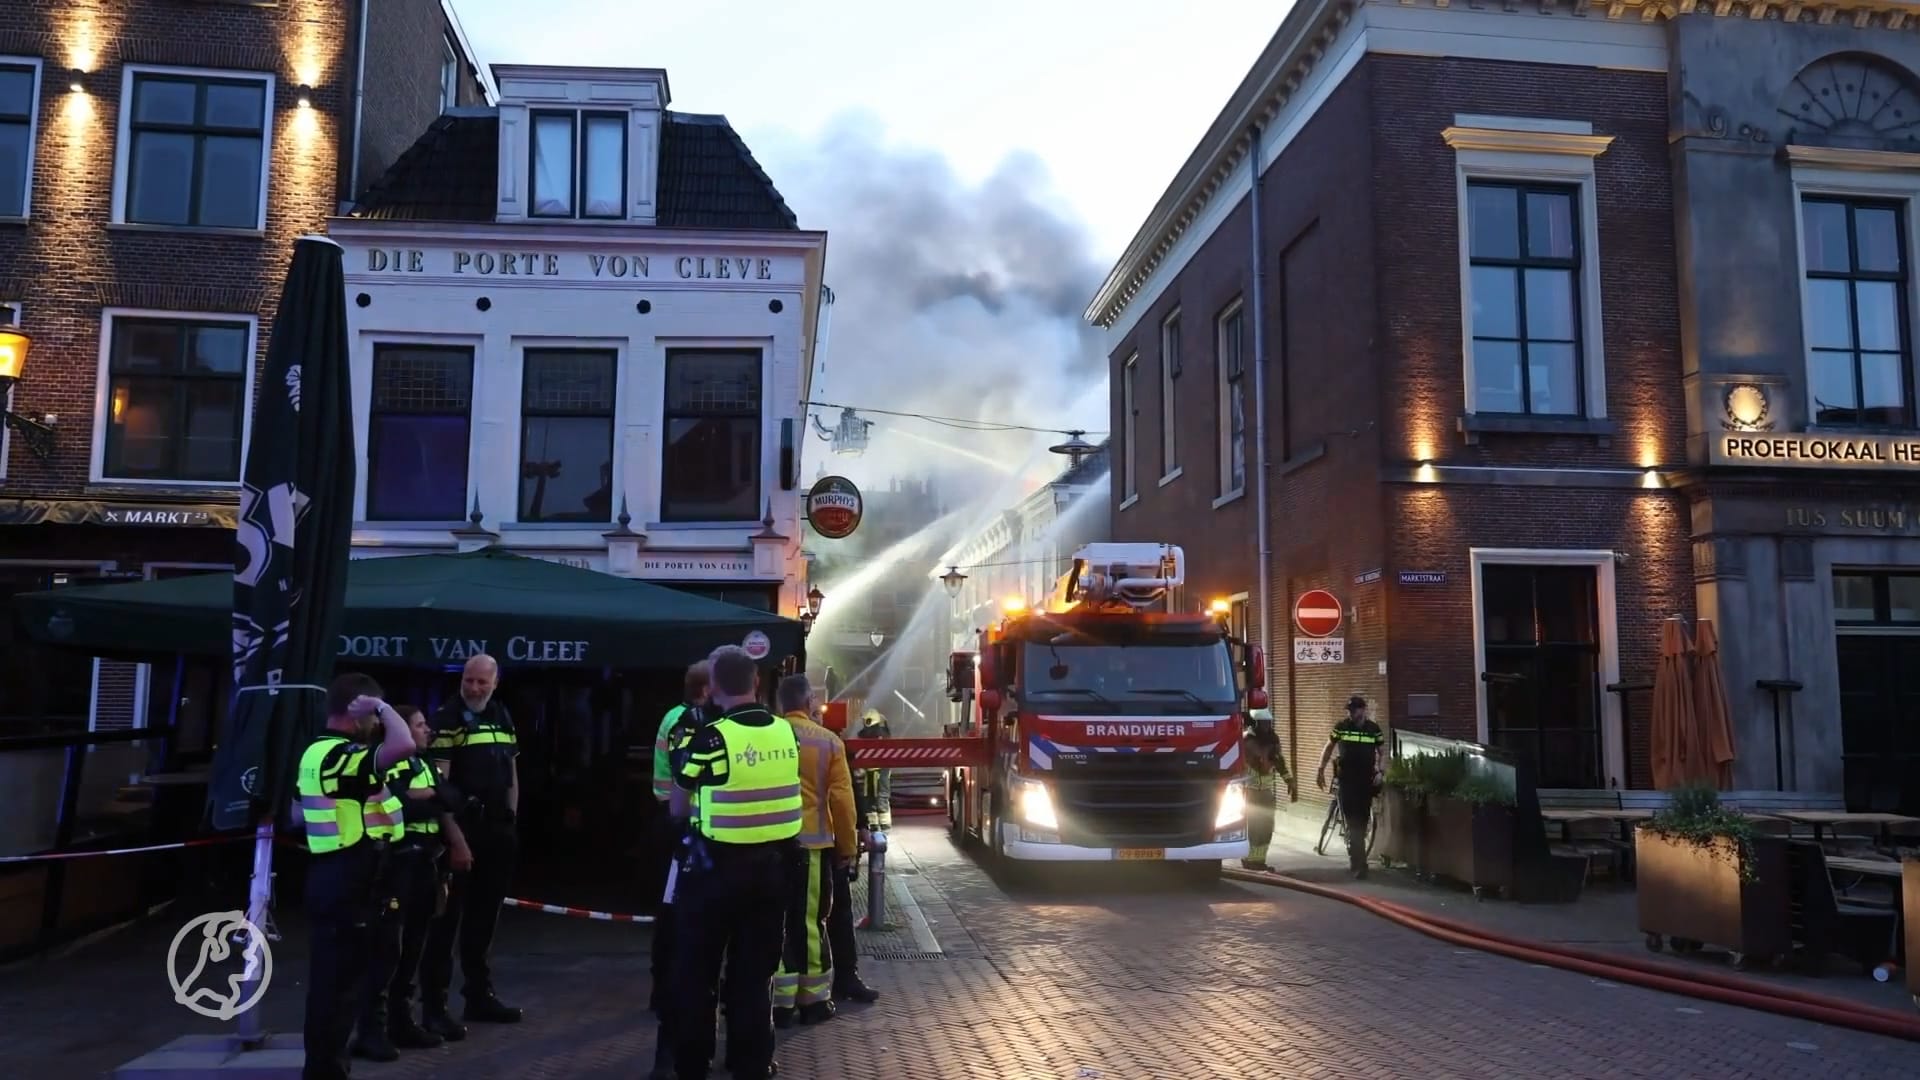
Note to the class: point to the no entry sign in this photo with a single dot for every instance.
(1317, 613)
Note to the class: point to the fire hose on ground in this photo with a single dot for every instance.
(1652, 975)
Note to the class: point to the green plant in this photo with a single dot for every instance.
(1694, 816)
(1444, 775)
(1483, 791)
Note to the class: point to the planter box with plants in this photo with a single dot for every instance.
(1447, 821)
(1705, 877)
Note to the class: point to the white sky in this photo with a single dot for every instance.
(1110, 95)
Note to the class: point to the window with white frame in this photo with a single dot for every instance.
(1523, 250)
(566, 435)
(194, 149)
(449, 76)
(419, 432)
(710, 464)
(1529, 266)
(1169, 373)
(1129, 422)
(579, 163)
(1229, 354)
(19, 98)
(1856, 282)
(175, 397)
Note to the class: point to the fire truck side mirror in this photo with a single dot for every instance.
(1257, 668)
(1257, 698)
(989, 701)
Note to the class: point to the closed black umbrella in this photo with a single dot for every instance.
(291, 540)
(290, 561)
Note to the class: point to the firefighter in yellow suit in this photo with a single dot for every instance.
(829, 839)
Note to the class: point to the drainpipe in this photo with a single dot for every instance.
(1259, 306)
(359, 105)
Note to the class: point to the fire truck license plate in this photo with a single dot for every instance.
(1146, 854)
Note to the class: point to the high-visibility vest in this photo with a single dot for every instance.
(760, 801)
(335, 824)
(418, 774)
(662, 771)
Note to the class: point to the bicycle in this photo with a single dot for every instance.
(1337, 823)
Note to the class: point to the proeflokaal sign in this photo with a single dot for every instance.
(1813, 451)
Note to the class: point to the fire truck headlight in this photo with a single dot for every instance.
(1233, 805)
(1036, 805)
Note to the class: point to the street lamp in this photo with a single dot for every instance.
(14, 346)
(814, 599)
(875, 637)
(953, 579)
(806, 623)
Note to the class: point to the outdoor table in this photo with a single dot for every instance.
(1820, 819)
(1879, 868)
(1870, 867)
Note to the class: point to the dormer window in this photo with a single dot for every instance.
(579, 164)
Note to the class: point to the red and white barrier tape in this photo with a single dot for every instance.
(53, 855)
(578, 913)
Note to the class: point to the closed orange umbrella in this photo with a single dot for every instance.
(1711, 712)
(1674, 734)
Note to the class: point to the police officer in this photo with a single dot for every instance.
(673, 728)
(474, 747)
(349, 818)
(1360, 763)
(413, 890)
(742, 771)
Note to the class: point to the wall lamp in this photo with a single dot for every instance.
(14, 346)
(77, 81)
(306, 95)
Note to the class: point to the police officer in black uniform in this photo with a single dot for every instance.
(1358, 749)
(474, 747)
(349, 820)
(741, 773)
(432, 840)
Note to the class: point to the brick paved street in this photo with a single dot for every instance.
(1103, 975)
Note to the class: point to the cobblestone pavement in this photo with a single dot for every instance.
(1110, 975)
(1605, 919)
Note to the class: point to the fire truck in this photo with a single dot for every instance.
(1103, 727)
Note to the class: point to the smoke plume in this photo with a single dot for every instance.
(951, 298)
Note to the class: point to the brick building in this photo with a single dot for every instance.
(158, 158)
(1523, 287)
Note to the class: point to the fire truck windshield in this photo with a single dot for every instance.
(1077, 675)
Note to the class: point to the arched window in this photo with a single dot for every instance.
(1853, 100)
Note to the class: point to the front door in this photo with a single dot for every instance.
(1540, 630)
(1878, 617)
(1880, 722)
